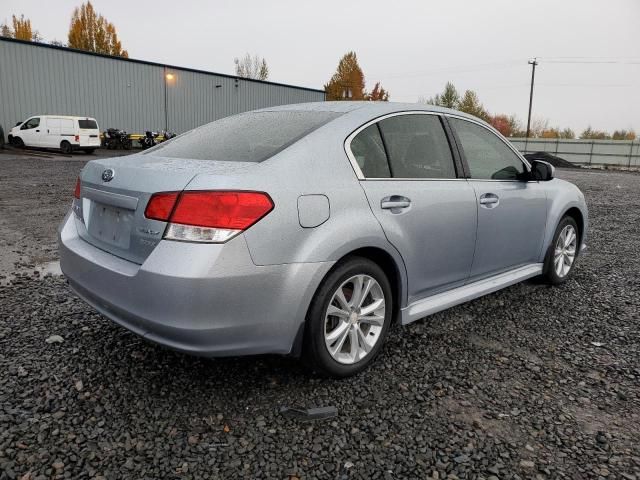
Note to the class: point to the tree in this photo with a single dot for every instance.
(92, 32)
(550, 133)
(591, 134)
(503, 124)
(623, 135)
(348, 81)
(471, 104)
(20, 29)
(252, 67)
(378, 94)
(450, 98)
(568, 133)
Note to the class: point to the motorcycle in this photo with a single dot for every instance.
(114, 138)
(151, 139)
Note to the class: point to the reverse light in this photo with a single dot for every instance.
(207, 216)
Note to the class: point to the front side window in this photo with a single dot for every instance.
(489, 158)
(417, 147)
(31, 123)
(368, 150)
(248, 137)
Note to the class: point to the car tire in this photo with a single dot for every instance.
(328, 347)
(66, 147)
(17, 142)
(562, 253)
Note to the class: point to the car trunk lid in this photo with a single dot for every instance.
(115, 192)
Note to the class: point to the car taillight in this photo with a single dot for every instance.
(207, 216)
(161, 205)
(76, 192)
(77, 137)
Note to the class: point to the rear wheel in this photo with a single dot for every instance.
(348, 318)
(563, 252)
(65, 147)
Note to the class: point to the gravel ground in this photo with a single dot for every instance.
(530, 382)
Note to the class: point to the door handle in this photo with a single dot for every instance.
(38, 131)
(395, 202)
(489, 200)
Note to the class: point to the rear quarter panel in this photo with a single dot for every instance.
(316, 165)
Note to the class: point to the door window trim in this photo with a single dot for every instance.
(496, 134)
(457, 159)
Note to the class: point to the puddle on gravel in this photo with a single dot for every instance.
(43, 269)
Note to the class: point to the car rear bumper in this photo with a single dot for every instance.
(202, 299)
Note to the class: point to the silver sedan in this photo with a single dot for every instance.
(308, 229)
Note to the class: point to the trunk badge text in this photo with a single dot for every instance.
(148, 231)
(108, 175)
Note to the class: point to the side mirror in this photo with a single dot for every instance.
(542, 171)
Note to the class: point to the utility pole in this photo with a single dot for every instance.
(533, 64)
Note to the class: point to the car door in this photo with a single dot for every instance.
(512, 211)
(31, 133)
(427, 211)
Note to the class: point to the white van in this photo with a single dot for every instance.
(57, 131)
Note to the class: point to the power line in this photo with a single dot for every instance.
(594, 62)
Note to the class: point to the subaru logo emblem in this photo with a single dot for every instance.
(108, 175)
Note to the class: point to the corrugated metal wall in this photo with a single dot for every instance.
(621, 153)
(37, 80)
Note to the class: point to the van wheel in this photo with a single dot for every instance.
(89, 150)
(65, 147)
(17, 142)
(348, 318)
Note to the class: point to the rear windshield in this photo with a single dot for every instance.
(88, 124)
(248, 137)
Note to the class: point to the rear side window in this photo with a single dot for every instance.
(489, 158)
(248, 137)
(89, 124)
(417, 147)
(368, 150)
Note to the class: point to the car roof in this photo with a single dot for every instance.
(364, 108)
(67, 117)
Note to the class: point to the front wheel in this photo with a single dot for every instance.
(563, 252)
(348, 318)
(17, 142)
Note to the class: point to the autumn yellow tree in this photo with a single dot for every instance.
(20, 29)
(378, 94)
(92, 32)
(348, 82)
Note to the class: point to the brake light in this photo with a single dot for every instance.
(77, 137)
(160, 206)
(208, 216)
(76, 192)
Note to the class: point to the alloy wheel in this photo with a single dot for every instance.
(354, 319)
(565, 251)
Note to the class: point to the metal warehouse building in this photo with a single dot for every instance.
(39, 79)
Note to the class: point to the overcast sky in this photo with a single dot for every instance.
(412, 47)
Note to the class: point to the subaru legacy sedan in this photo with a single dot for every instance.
(308, 229)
